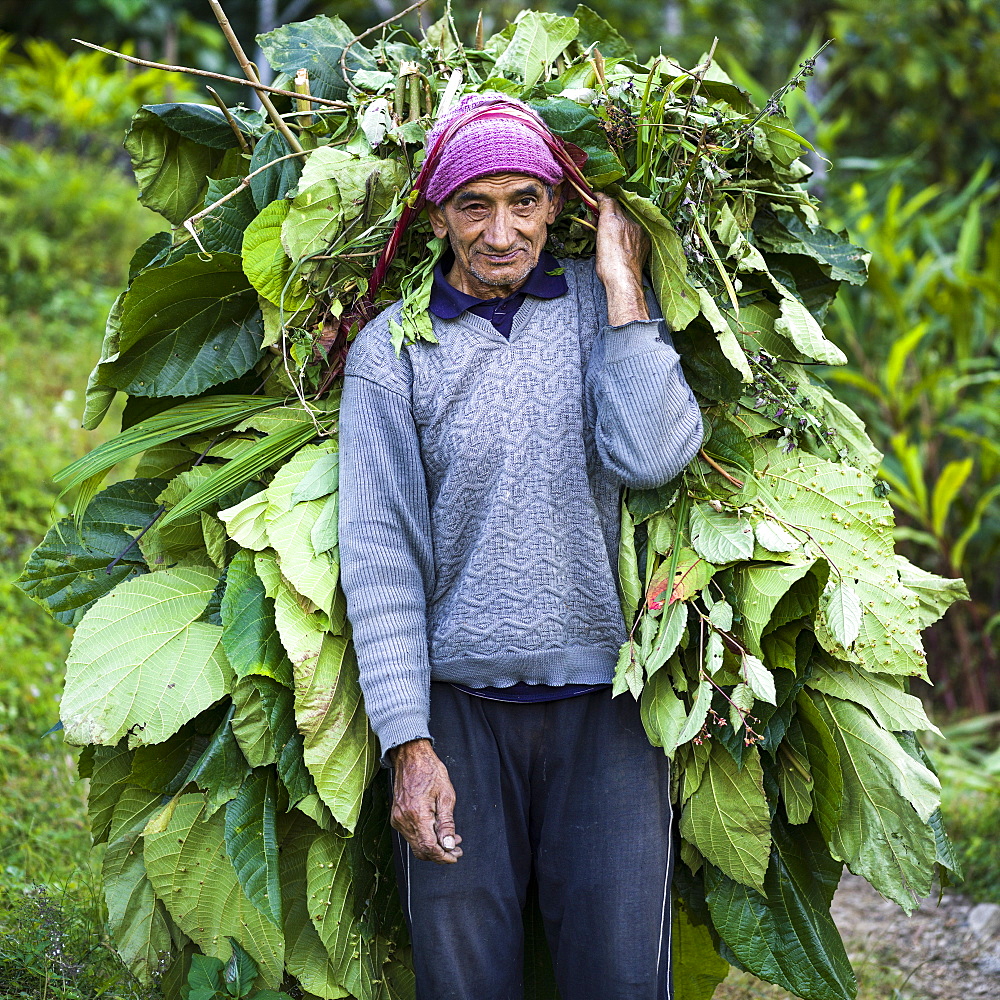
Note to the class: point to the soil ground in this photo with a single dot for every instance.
(931, 955)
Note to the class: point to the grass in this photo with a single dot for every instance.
(875, 982)
(60, 268)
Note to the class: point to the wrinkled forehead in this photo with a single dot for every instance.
(499, 188)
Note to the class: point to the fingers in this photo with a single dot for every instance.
(423, 805)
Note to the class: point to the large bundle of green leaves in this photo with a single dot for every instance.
(212, 679)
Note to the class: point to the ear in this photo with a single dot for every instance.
(436, 214)
(556, 203)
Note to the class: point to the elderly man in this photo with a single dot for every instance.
(480, 486)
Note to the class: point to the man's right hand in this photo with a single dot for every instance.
(423, 803)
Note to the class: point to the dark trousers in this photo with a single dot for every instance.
(570, 795)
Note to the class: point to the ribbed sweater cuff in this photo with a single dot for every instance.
(638, 337)
(402, 729)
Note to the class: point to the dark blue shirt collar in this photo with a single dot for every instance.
(448, 302)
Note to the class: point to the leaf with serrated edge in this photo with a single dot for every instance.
(251, 835)
(727, 818)
(340, 749)
(698, 714)
(141, 663)
(718, 537)
(883, 696)
(773, 537)
(758, 678)
(841, 608)
(663, 713)
(538, 40)
(885, 793)
(757, 589)
(245, 522)
(850, 527)
(190, 871)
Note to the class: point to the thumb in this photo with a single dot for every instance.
(445, 822)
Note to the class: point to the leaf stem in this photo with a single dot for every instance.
(364, 34)
(251, 74)
(169, 68)
(233, 124)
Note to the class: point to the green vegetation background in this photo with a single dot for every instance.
(902, 104)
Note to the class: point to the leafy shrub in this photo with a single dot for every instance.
(52, 946)
(80, 92)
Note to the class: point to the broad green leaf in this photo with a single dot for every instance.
(691, 575)
(323, 535)
(249, 635)
(71, 568)
(266, 264)
(773, 537)
(677, 297)
(137, 920)
(841, 609)
(851, 528)
(205, 978)
(339, 749)
(628, 670)
(319, 480)
(883, 696)
(241, 973)
(888, 799)
(714, 651)
(799, 325)
(171, 170)
(795, 776)
(698, 714)
(224, 479)
(222, 230)
(245, 522)
(628, 568)
(334, 189)
(758, 678)
(785, 232)
(933, 594)
(205, 123)
(697, 967)
(787, 936)
(728, 343)
(581, 127)
(186, 327)
(249, 724)
(720, 537)
(663, 713)
(278, 706)
(178, 541)
(289, 530)
(316, 45)
(109, 770)
(670, 628)
(537, 41)
(306, 957)
(251, 834)
(824, 765)
(728, 819)
(274, 183)
(221, 768)
(187, 863)
(300, 629)
(595, 30)
(141, 663)
(98, 398)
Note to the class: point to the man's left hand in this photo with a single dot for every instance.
(622, 248)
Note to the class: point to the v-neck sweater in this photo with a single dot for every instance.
(480, 488)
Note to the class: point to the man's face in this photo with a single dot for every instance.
(497, 227)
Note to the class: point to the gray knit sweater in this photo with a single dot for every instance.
(480, 482)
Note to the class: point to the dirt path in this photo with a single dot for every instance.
(938, 953)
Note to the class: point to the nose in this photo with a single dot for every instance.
(500, 234)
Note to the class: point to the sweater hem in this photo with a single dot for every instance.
(553, 667)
